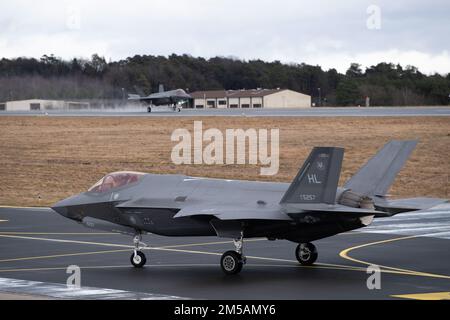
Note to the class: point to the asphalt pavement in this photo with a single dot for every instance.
(37, 246)
(264, 112)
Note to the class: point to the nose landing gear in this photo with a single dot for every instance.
(138, 258)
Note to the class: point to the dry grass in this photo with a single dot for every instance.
(56, 157)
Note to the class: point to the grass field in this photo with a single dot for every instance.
(45, 159)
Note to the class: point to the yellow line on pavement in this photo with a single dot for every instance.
(171, 248)
(13, 207)
(63, 255)
(425, 296)
(58, 268)
(58, 233)
(4, 235)
(157, 266)
(209, 243)
(345, 254)
(68, 241)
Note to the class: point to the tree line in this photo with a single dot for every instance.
(51, 77)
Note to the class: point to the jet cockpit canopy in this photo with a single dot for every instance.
(116, 180)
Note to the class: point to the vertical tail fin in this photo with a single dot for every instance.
(378, 174)
(317, 180)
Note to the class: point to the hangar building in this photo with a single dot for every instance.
(255, 98)
(39, 104)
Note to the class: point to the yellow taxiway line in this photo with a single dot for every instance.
(172, 248)
(4, 235)
(22, 207)
(67, 241)
(106, 251)
(157, 266)
(425, 296)
(62, 255)
(59, 233)
(13, 207)
(345, 254)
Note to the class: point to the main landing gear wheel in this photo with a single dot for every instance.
(231, 262)
(306, 254)
(138, 259)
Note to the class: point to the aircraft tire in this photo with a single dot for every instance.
(149, 109)
(231, 262)
(306, 253)
(139, 260)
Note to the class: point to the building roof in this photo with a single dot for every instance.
(41, 101)
(209, 94)
(214, 94)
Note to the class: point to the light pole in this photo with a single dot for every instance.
(320, 97)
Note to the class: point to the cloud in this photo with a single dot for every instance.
(429, 63)
(322, 32)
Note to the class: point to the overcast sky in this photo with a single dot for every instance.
(320, 32)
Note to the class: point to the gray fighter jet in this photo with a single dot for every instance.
(173, 98)
(312, 207)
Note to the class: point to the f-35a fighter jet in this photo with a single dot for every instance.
(172, 98)
(312, 207)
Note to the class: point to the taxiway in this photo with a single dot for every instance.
(37, 245)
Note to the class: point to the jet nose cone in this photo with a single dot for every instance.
(62, 207)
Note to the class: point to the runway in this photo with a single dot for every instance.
(37, 245)
(310, 112)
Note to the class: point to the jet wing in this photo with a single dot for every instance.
(228, 219)
(222, 212)
(134, 96)
(233, 213)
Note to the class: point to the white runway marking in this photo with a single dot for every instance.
(434, 222)
(61, 291)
